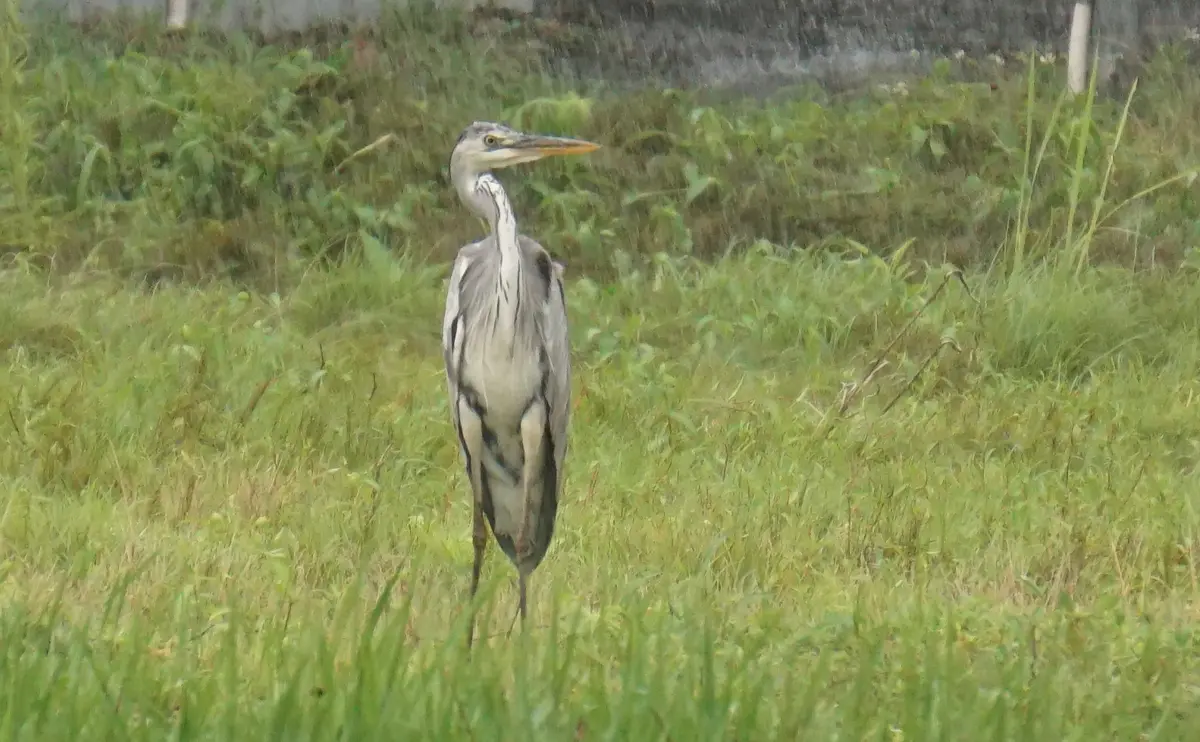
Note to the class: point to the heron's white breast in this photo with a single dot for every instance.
(505, 383)
(505, 378)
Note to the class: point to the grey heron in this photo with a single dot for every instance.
(508, 368)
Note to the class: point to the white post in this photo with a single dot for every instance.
(177, 14)
(1077, 49)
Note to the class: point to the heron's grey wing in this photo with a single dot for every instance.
(558, 355)
(452, 322)
(453, 326)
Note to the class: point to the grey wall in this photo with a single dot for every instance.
(920, 23)
(746, 43)
(765, 43)
(265, 15)
(807, 23)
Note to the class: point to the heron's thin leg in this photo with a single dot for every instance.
(521, 597)
(533, 433)
(479, 540)
(520, 612)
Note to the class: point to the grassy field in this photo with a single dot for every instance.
(821, 485)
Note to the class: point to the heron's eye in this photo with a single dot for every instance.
(491, 140)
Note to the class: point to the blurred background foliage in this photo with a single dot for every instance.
(205, 154)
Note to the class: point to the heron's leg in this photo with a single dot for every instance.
(520, 612)
(479, 541)
(533, 433)
(471, 430)
(521, 578)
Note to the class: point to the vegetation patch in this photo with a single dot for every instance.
(184, 157)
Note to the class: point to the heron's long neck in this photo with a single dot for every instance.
(504, 228)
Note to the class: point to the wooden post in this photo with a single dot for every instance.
(1078, 59)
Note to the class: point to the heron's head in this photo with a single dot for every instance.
(485, 146)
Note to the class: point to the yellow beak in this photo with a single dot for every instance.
(549, 146)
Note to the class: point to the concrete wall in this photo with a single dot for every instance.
(806, 23)
(923, 24)
(741, 43)
(265, 15)
(759, 45)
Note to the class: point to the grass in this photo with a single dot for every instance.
(823, 493)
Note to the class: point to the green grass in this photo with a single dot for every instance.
(811, 493)
(208, 491)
